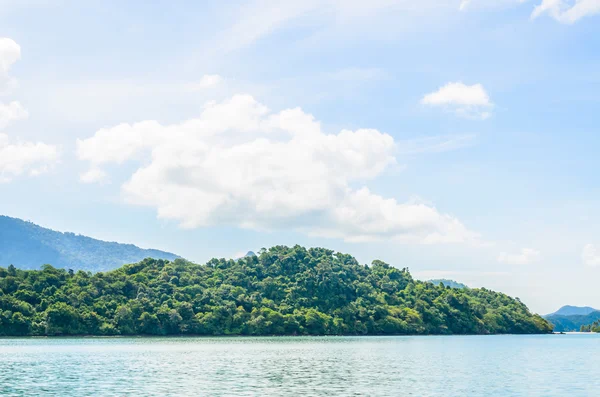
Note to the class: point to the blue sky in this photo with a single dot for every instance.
(468, 151)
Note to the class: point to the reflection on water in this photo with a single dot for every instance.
(550, 365)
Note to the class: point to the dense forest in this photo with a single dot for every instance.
(594, 327)
(28, 246)
(282, 291)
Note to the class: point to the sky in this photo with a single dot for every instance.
(456, 138)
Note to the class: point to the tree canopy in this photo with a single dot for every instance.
(282, 291)
(594, 327)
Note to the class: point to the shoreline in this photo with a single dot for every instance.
(271, 336)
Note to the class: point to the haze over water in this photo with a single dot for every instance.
(548, 365)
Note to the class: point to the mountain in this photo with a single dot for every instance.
(571, 318)
(28, 246)
(572, 323)
(283, 291)
(448, 283)
(573, 311)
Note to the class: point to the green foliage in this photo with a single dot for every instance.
(594, 327)
(284, 291)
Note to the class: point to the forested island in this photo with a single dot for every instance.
(282, 291)
(594, 327)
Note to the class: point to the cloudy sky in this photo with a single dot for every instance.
(457, 138)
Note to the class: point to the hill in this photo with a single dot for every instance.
(283, 291)
(29, 246)
(448, 283)
(572, 323)
(573, 311)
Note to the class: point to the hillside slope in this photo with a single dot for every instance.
(28, 246)
(283, 291)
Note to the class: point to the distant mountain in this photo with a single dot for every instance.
(572, 323)
(573, 311)
(250, 253)
(448, 283)
(28, 246)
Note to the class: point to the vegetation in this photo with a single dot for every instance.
(594, 327)
(28, 246)
(572, 323)
(283, 291)
(448, 283)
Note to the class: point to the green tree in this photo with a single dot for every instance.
(283, 291)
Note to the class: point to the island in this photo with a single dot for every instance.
(280, 291)
(594, 327)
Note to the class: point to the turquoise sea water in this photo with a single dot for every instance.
(550, 365)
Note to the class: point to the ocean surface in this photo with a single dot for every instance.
(456, 366)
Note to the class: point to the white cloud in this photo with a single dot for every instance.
(564, 11)
(18, 158)
(240, 164)
(590, 256)
(207, 81)
(10, 52)
(527, 256)
(567, 11)
(21, 158)
(464, 100)
(11, 112)
(93, 175)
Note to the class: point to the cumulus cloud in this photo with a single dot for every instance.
(470, 101)
(569, 11)
(590, 256)
(10, 52)
(18, 158)
(207, 81)
(11, 112)
(25, 158)
(527, 256)
(93, 175)
(240, 164)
